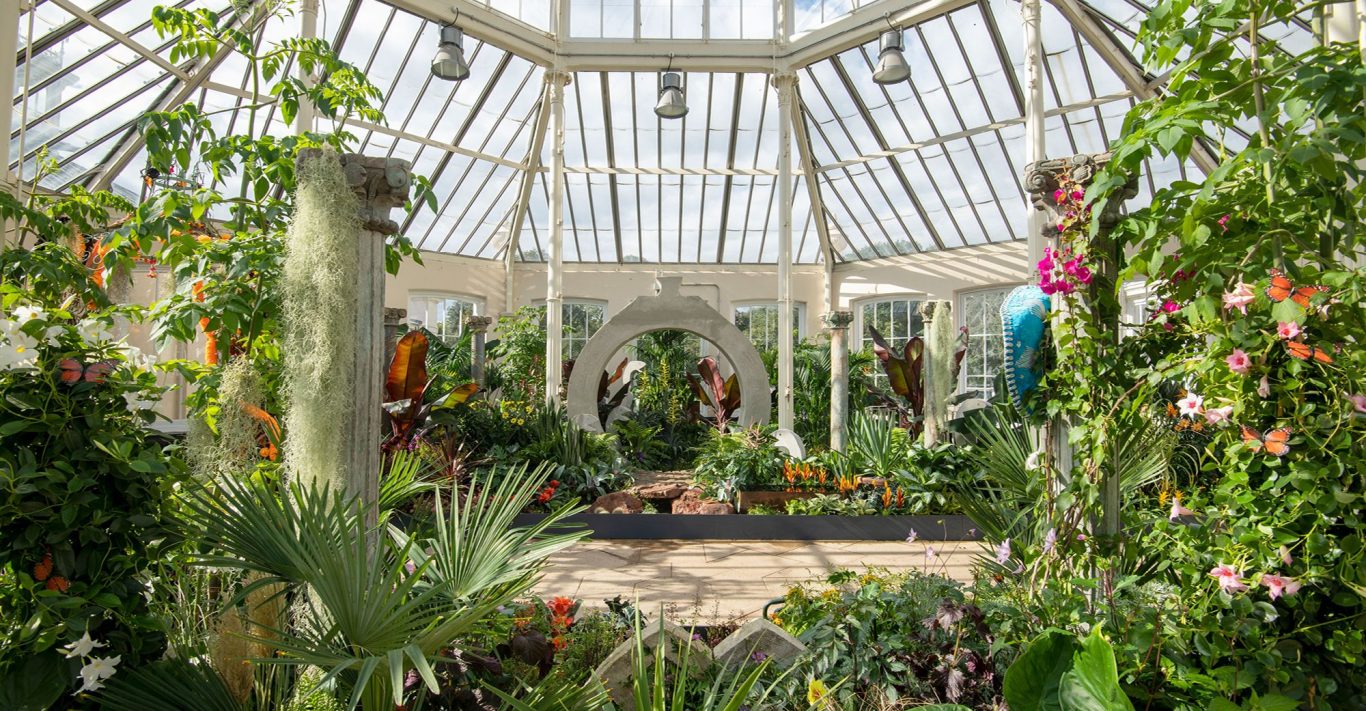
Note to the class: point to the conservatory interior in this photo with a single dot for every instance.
(682, 354)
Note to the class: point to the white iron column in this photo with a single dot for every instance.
(308, 29)
(784, 84)
(1034, 119)
(554, 272)
(838, 324)
(9, 47)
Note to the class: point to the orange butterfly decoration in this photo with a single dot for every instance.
(1282, 288)
(1275, 441)
(1304, 351)
(74, 371)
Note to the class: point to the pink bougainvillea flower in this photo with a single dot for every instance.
(1238, 361)
(1215, 415)
(1287, 329)
(1190, 405)
(1278, 585)
(1059, 196)
(1358, 402)
(1239, 297)
(1230, 578)
(1179, 511)
(1003, 552)
(1223, 222)
(1264, 388)
(1078, 195)
(1170, 306)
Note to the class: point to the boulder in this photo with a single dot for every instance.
(692, 502)
(665, 491)
(617, 502)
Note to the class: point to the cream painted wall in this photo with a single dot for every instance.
(939, 275)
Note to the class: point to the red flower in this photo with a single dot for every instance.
(560, 606)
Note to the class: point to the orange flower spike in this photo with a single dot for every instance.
(886, 497)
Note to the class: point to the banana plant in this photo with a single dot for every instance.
(609, 399)
(405, 390)
(905, 375)
(722, 396)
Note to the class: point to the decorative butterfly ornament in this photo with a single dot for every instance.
(1282, 288)
(73, 371)
(1304, 351)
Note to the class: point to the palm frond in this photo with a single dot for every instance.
(168, 684)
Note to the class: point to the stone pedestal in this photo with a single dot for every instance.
(393, 321)
(837, 322)
(479, 327)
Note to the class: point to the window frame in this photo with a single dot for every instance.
(959, 320)
(860, 330)
(799, 318)
(428, 296)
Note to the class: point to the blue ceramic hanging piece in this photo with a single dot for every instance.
(1024, 316)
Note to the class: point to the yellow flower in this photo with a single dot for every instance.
(816, 691)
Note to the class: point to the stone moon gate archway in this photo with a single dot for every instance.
(667, 309)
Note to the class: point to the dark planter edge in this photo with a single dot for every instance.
(954, 527)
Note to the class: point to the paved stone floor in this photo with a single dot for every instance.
(713, 581)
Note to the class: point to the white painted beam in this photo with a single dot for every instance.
(486, 25)
(1031, 16)
(9, 49)
(785, 85)
(533, 160)
(122, 38)
(554, 290)
(605, 170)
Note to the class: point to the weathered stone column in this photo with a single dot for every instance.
(837, 322)
(479, 326)
(938, 367)
(380, 184)
(1042, 180)
(393, 320)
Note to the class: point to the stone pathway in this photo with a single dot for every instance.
(713, 581)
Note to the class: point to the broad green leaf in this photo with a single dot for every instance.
(1032, 682)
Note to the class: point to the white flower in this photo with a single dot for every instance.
(19, 352)
(1035, 459)
(82, 647)
(24, 314)
(95, 671)
(1191, 405)
(1003, 552)
(93, 330)
(52, 333)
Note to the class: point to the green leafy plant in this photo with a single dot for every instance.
(905, 376)
(739, 461)
(721, 395)
(1058, 671)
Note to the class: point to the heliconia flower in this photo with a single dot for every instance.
(1239, 297)
(1238, 361)
(1215, 415)
(1358, 402)
(1278, 585)
(910, 537)
(1190, 405)
(1230, 579)
(1003, 552)
(1179, 511)
(1264, 387)
(1050, 540)
(1287, 329)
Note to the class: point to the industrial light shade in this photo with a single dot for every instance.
(449, 62)
(891, 63)
(671, 103)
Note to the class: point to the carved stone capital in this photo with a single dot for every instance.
(932, 309)
(380, 183)
(837, 320)
(394, 317)
(478, 324)
(1045, 177)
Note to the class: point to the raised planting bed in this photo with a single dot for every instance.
(773, 499)
(771, 528)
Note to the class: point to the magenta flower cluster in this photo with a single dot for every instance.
(1061, 272)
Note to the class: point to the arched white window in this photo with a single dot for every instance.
(442, 314)
(759, 321)
(980, 311)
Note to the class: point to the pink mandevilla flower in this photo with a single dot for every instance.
(1278, 585)
(1285, 556)
(1178, 511)
(1287, 329)
(1239, 297)
(1190, 405)
(1215, 415)
(1358, 402)
(1230, 579)
(1238, 361)
(1264, 387)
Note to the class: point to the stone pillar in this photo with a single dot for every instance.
(380, 184)
(479, 326)
(837, 322)
(785, 84)
(937, 370)
(393, 321)
(1042, 179)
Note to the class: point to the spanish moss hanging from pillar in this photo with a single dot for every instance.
(940, 347)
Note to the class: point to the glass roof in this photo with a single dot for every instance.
(925, 165)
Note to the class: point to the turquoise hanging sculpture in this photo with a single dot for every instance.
(1024, 316)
